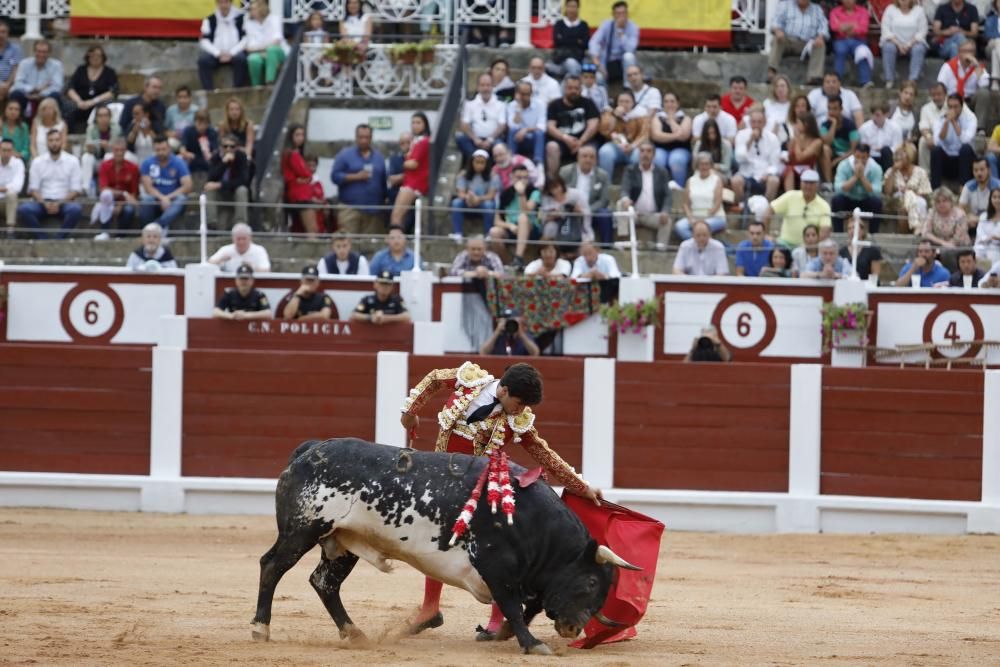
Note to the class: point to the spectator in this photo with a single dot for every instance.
(992, 153)
(180, 114)
(544, 89)
(504, 163)
(150, 96)
(416, 169)
(11, 181)
(849, 25)
(988, 230)
(711, 142)
(235, 122)
(840, 138)
(384, 305)
(570, 38)
(343, 260)
(646, 96)
(594, 265)
(99, 136)
(526, 124)
(152, 255)
(952, 153)
(483, 122)
(503, 87)
(594, 186)
(592, 90)
(702, 199)
(53, 185)
(753, 253)
(903, 33)
(624, 128)
(14, 128)
(298, 178)
(903, 114)
(647, 188)
(778, 108)
(565, 215)
(966, 267)
(992, 278)
(229, 182)
(199, 142)
(930, 112)
(713, 110)
(613, 45)
(509, 338)
(241, 251)
(708, 347)
(881, 134)
(779, 264)
(243, 302)
(819, 99)
(805, 149)
(308, 301)
(828, 265)
(808, 251)
(118, 182)
(395, 171)
(518, 217)
(992, 34)
(315, 32)
(869, 257)
(906, 188)
(47, 119)
(736, 101)
(318, 200)
(954, 22)
(166, 182)
(858, 184)
(37, 78)
(701, 255)
(926, 265)
(800, 209)
(476, 261)
(799, 27)
(965, 76)
(10, 56)
(975, 195)
(799, 105)
(758, 158)
(670, 131)
(549, 263)
(395, 257)
(946, 225)
(356, 25)
(475, 188)
(572, 123)
(265, 43)
(223, 42)
(92, 84)
(142, 132)
(359, 173)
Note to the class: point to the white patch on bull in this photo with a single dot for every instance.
(359, 528)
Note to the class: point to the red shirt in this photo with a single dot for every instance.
(293, 167)
(417, 179)
(736, 111)
(124, 176)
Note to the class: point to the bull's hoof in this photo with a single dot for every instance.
(261, 632)
(541, 648)
(435, 621)
(484, 635)
(352, 633)
(505, 632)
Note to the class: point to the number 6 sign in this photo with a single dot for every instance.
(92, 315)
(745, 323)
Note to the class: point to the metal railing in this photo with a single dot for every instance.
(275, 117)
(33, 11)
(448, 111)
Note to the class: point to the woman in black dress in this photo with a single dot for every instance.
(92, 84)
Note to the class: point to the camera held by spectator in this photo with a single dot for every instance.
(509, 338)
(707, 346)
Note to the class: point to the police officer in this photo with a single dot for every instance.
(382, 306)
(244, 302)
(308, 302)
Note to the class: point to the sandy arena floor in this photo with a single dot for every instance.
(91, 588)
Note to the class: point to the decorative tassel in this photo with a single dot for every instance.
(493, 492)
(462, 523)
(506, 489)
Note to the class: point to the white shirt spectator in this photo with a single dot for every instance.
(907, 28)
(930, 113)
(649, 97)
(229, 259)
(12, 176)
(759, 159)
(605, 263)
(727, 124)
(972, 84)
(817, 102)
(354, 27)
(227, 35)
(877, 137)
(544, 90)
(707, 261)
(531, 117)
(952, 143)
(484, 116)
(343, 266)
(562, 267)
(262, 35)
(904, 119)
(55, 179)
(776, 114)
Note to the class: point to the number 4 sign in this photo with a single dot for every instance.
(947, 326)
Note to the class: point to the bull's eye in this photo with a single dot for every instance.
(592, 583)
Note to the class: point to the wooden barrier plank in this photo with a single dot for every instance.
(666, 372)
(968, 446)
(697, 415)
(704, 394)
(274, 424)
(58, 398)
(280, 361)
(73, 356)
(770, 437)
(641, 477)
(42, 440)
(904, 378)
(248, 465)
(710, 457)
(291, 384)
(71, 421)
(139, 379)
(880, 465)
(901, 423)
(110, 463)
(919, 400)
(899, 487)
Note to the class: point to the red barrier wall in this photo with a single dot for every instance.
(559, 417)
(76, 409)
(245, 412)
(708, 427)
(902, 433)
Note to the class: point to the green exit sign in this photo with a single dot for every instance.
(380, 122)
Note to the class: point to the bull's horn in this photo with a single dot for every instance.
(606, 555)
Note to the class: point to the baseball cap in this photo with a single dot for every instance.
(588, 67)
(810, 176)
(244, 270)
(310, 272)
(384, 277)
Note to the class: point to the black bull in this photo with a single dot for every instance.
(358, 499)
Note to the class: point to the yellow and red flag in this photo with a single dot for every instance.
(127, 18)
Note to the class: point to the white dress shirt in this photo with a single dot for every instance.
(758, 159)
(544, 90)
(605, 263)
(256, 256)
(649, 97)
(485, 117)
(952, 143)
(227, 37)
(262, 35)
(645, 204)
(532, 117)
(12, 176)
(584, 182)
(972, 84)
(708, 261)
(818, 100)
(55, 179)
(727, 124)
(888, 135)
(343, 266)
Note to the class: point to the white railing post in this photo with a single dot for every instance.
(32, 20)
(277, 8)
(599, 422)
(417, 215)
(163, 492)
(203, 226)
(522, 30)
(991, 438)
(633, 241)
(769, 8)
(391, 382)
(805, 407)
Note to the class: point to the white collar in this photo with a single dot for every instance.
(570, 24)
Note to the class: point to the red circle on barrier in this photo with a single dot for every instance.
(965, 309)
(770, 321)
(76, 334)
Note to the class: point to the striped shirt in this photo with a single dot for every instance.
(807, 25)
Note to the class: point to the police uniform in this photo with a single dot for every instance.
(232, 301)
(315, 303)
(392, 306)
